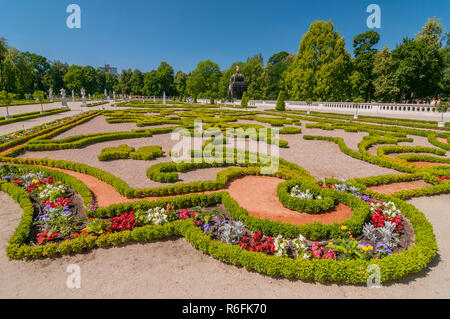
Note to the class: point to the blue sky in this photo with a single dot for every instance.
(142, 33)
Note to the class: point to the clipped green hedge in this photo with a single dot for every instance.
(112, 153)
(314, 206)
(30, 115)
(290, 130)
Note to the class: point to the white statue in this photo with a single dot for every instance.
(83, 97)
(63, 98)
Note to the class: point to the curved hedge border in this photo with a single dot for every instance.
(315, 206)
(30, 115)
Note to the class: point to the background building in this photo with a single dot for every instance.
(108, 69)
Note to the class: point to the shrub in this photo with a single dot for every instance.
(281, 104)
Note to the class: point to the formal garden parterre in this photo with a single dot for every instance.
(61, 215)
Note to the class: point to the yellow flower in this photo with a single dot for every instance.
(349, 251)
(370, 248)
(343, 227)
(40, 188)
(59, 182)
(35, 181)
(330, 243)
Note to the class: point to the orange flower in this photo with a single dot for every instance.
(75, 235)
(85, 234)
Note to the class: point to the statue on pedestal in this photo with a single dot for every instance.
(83, 97)
(63, 98)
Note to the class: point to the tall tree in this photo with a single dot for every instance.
(74, 78)
(112, 82)
(445, 53)
(165, 74)
(418, 63)
(3, 53)
(17, 73)
(180, 83)
(362, 75)
(385, 89)
(137, 82)
(253, 71)
(124, 81)
(55, 77)
(151, 87)
(40, 67)
(322, 66)
(204, 80)
(274, 72)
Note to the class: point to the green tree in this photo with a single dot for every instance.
(151, 87)
(54, 78)
(445, 53)
(322, 66)
(137, 82)
(165, 76)
(274, 73)
(40, 67)
(431, 33)
(73, 79)
(362, 76)
(204, 80)
(418, 63)
(17, 73)
(124, 81)
(385, 89)
(253, 71)
(418, 69)
(112, 82)
(3, 53)
(180, 83)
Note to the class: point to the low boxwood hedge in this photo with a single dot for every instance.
(314, 206)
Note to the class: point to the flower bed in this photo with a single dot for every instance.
(57, 211)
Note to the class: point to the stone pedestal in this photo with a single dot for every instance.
(441, 124)
(355, 116)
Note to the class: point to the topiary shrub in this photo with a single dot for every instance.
(281, 104)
